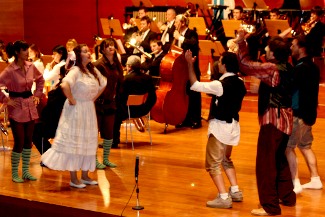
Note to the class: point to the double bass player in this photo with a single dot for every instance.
(188, 39)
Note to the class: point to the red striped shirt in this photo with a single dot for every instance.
(268, 73)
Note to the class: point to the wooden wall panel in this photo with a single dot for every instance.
(11, 20)
(52, 22)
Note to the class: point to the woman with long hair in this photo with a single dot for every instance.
(75, 142)
(109, 65)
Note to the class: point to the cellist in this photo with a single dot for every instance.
(188, 39)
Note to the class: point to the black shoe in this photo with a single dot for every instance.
(196, 125)
(42, 165)
(286, 203)
(181, 125)
(115, 143)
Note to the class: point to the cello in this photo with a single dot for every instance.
(172, 100)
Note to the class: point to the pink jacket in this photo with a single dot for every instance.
(14, 79)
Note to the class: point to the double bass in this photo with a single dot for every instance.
(172, 100)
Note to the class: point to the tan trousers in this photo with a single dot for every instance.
(217, 154)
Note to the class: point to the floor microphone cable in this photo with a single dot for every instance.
(129, 199)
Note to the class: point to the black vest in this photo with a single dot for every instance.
(229, 104)
(279, 96)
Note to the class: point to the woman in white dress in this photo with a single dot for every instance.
(76, 140)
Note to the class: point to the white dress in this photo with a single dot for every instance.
(76, 140)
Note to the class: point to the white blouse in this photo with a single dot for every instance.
(52, 76)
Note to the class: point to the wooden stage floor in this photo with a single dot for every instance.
(172, 179)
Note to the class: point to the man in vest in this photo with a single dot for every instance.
(273, 176)
(224, 131)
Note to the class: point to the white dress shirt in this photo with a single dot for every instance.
(165, 35)
(181, 38)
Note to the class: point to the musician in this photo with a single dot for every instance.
(131, 28)
(146, 35)
(238, 12)
(52, 70)
(135, 83)
(71, 44)
(187, 39)
(130, 32)
(315, 31)
(274, 14)
(168, 29)
(142, 12)
(152, 65)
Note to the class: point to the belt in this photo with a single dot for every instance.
(25, 94)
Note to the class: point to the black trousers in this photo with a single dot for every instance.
(22, 133)
(40, 141)
(194, 106)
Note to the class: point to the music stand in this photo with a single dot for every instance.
(154, 27)
(275, 27)
(145, 3)
(260, 4)
(120, 48)
(208, 47)
(199, 24)
(213, 50)
(231, 27)
(137, 21)
(111, 27)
